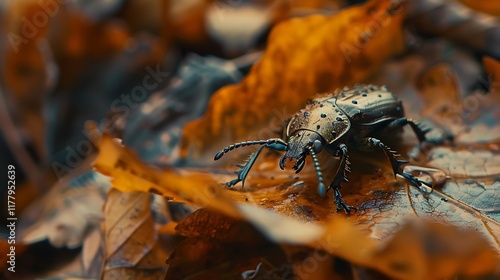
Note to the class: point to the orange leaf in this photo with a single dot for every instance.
(129, 174)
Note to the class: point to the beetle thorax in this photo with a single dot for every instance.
(322, 117)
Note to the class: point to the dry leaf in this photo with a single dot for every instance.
(435, 249)
(129, 174)
(130, 241)
(341, 237)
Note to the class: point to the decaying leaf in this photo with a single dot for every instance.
(304, 56)
(130, 242)
(419, 250)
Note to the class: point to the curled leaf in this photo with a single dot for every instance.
(129, 174)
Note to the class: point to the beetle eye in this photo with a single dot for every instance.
(317, 146)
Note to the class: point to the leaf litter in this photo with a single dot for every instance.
(278, 226)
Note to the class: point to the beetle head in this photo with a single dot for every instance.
(299, 146)
(302, 143)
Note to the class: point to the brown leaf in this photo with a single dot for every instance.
(130, 240)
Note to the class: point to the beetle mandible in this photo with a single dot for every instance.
(352, 117)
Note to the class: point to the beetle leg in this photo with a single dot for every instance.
(419, 132)
(244, 169)
(275, 144)
(340, 177)
(282, 162)
(395, 163)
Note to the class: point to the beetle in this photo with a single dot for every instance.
(332, 122)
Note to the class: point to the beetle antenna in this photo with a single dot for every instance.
(271, 143)
(321, 186)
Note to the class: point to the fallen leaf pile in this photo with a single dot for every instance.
(115, 113)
